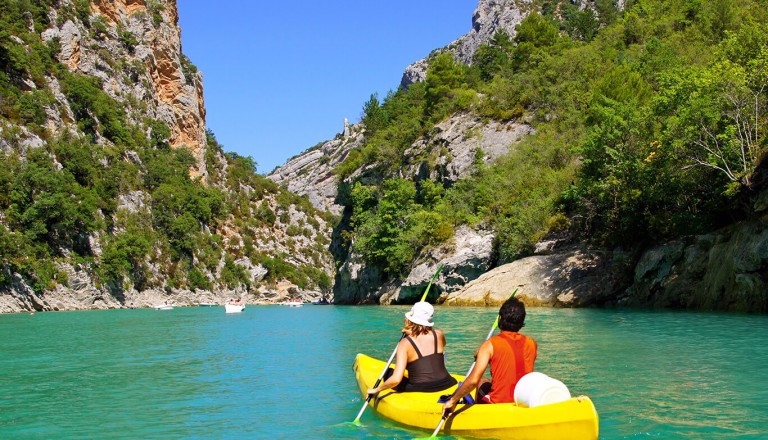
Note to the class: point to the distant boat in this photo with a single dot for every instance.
(293, 303)
(321, 302)
(164, 307)
(207, 304)
(234, 308)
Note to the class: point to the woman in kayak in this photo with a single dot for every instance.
(421, 352)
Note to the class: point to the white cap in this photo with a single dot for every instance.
(421, 314)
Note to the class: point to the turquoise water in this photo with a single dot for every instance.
(277, 372)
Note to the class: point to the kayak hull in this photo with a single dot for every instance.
(575, 418)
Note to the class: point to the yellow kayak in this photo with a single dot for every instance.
(575, 418)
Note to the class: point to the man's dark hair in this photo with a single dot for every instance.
(512, 315)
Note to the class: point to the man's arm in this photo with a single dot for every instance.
(484, 354)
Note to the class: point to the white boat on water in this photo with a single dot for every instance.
(233, 308)
(207, 304)
(164, 307)
(294, 303)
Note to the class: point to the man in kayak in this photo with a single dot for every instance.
(510, 354)
(426, 372)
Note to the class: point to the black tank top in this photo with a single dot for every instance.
(428, 373)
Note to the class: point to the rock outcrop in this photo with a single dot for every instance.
(574, 277)
(489, 17)
(724, 270)
(455, 147)
(466, 257)
(311, 172)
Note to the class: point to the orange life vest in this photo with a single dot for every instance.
(513, 357)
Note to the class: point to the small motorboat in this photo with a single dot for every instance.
(207, 304)
(234, 307)
(574, 418)
(292, 303)
(164, 307)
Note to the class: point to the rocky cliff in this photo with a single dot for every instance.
(134, 47)
(447, 154)
(451, 148)
(489, 17)
(105, 110)
(311, 173)
(724, 270)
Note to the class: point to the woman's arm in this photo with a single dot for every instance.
(397, 375)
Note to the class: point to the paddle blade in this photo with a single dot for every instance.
(362, 410)
(355, 423)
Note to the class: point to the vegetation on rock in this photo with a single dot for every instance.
(650, 124)
(88, 181)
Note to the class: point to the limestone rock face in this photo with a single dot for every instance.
(455, 145)
(448, 154)
(20, 297)
(154, 73)
(489, 17)
(357, 283)
(465, 258)
(69, 36)
(574, 277)
(311, 173)
(725, 270)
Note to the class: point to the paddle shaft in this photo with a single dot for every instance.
(378, 381)
(472, 367)
(389, 362)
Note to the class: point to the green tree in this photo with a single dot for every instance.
(50, 205)
(493, 57)
(374, 117)
(124, 255)
(444, 79)
(381, 235)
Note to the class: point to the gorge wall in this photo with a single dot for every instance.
(214, 231)
(726, 269)
(268, 244)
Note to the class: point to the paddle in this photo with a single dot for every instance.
(472, 367)
(389, 362)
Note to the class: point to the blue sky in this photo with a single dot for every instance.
(279, 77)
